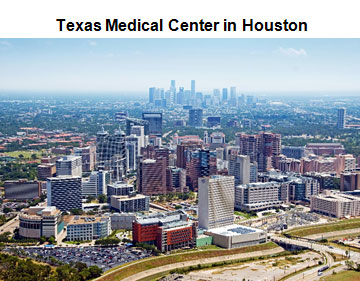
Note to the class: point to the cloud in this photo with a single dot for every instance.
(92, 43)
(292, 52)
(5, 44)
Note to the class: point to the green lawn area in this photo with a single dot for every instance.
(348, 275)
(244, 214)
(26, 153)
(310, 230)
(126, 271)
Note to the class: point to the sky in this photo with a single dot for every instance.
(134, 65)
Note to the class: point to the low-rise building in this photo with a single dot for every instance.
(22, 189)
(122, 220)
(260, 196)
(236, 236)
(338, 205)
(168, 231)
(85, 228)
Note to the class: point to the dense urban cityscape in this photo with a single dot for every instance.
(178, 185)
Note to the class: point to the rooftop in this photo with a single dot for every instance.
(233, 230)
(74, 220)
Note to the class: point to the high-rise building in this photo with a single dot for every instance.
(88, 157)
(253, 172)
(216, 201)
(192, 89)
(233, 96)
(69, 166)
(239, 167)
(199, 163)
(111, 153)
(224, 95)
(262, 148)
(196, 117)
(155, 122)
(350, 181)
(151, 176)
(64, 192)
(139, 132)
(152, 94)
(96, 184)
(341, 118)
(176, 179)
(133, 147)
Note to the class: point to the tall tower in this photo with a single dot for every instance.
(192, 97)
(216, 201)
(111, 152)
(239, 167)
(341, 118)
(224, 94)
(196, 117)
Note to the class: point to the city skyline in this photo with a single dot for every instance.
(133, 65)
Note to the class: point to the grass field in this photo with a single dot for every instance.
(26, 153)
(126, 271)
(244, 215)
(343, 276)
(316, 229)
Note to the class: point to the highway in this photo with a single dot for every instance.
(312, 274)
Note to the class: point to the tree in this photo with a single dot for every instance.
(7, 210)
(33, 156)
(102, 198)
(95, 271)
(89, 199)
(52, 240)
(76, 212)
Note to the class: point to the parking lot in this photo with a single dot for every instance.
(104, 258)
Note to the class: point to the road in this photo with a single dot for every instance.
(312, 274)
(317, 247)
(10, 225)
(166, 134)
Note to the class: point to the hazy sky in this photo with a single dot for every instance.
(252, 65)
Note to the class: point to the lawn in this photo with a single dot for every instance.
(316, 229)
(126, 271)
(348, 275)
(244, 215)
(26, 153)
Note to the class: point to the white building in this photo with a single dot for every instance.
(69, 166)
(239, 167)
(216, 201)
(87, 228)
(260, 196)
(96, 184)
(236, 236)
